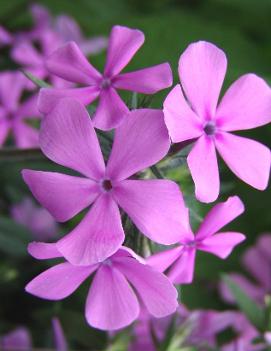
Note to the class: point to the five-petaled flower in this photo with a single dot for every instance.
(246, 105)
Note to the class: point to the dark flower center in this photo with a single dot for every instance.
(107, 185)
(210, 128)
(106, 82)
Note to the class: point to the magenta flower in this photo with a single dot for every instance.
(5, 37)
(14, 114)
(246, 105)
(180, 260)
(37, 219)
(111, 302)
(18, 339)
(156, 207)
(69, 63)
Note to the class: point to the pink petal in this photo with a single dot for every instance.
(94, 45)
(182, 271)
(25, 136)
(5, 37)
(249, 160)
(111, 303)
(49, 97)
(67, 137)
(220, 215)
(11, 88)
(246, 104)
(17, 340)
(157, 293)
(28, 109)
(41, 16)
(43, 251)
(124, 42)
(162, 260)
(156, 207)
(25, 54)
(68, 62)
(202, 68)
(146, 80)
(221, 244)
(60, 281)
(146, 141)
(4, 130)
(182, 123)
(98, 235)
(59, 337)
(202, 163)
(111, 110)
(62, 195)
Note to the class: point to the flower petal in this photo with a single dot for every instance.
(62, 195)
(162, 260)
(202, 68)
(67, 137)
(25, 136)
(49, 97)
(248, 159)
(220, 215)
(43, 251)
(11, 88)
(98, 235)
(141, 141)
(111, 303)
(182, 271)
(59, 337)
(18, 339)
(60, 281)
(221, 244)
(156, 207)
(111, 110)
(246, 104)
(157, 293)
(202, 163)
(124, 42)
(182, 123)
(25, 54)
(28, 108)
(147, 80)
(68, 62)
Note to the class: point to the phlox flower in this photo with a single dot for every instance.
(68, 62)
(5, 37)
(198, 117)
(156, 207)
(14, 114)
(180, 260)
(37, 219)
(111, 303)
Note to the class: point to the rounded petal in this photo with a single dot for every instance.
(111, 303)
(220, 215)
(62, 195)
(111, 110)
(182, 271)
(156, 207)
(202, 68)
(60, 281)
(11, 88)
(68, 62)
(49, 97)
(147, 80)
(28, 109)
(19, 340)
(67, 137)
(59, 336)
(25, 54)
(249, 160)
(157, 293)
(97, 236)
(162, 260)
(25, 136)
(181, 121)
(141, 141)
(123, 43)
(246, 104)
(43, 251)
(203, 166)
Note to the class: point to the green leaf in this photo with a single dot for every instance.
(37, 81)
(249, 307)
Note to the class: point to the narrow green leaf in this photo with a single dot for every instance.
(156, 172)
(37, 81)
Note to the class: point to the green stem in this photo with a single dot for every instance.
(156, 172)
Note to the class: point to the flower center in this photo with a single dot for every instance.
(105, 84)
(210, 128)
(107, 185)
(107, 262)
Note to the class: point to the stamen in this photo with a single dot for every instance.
(107, 185)
(210, 128)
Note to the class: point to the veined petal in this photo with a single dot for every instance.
(111, 303)
(246, 104)
(67, 137)
(156, 207)
(181, 121)
(182, 270)
(141, 141)
(123, 43)
(62, 195)
(60, 281)
(147, 80)
(162, 260)
(43, 251)
(202, 68)
(220, 215)
(203, 166)
(97, 236)
(248, 159)
(68, 62)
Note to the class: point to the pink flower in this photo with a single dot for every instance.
(69, 63)
(38, 220)
(111, 302)
(18, 339)
(5, 37)
(156, 207)
(181, 259)
(246, 105)
(14, 114)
